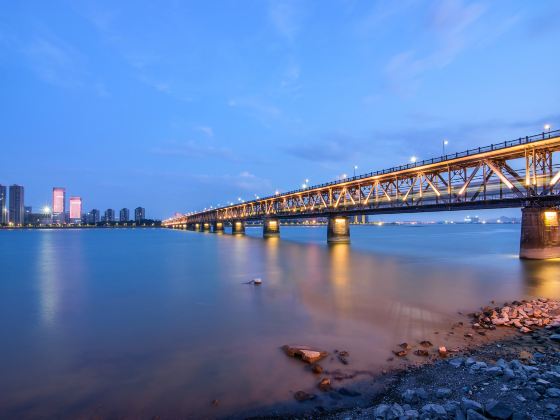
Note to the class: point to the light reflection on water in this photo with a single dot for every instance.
(154, 322)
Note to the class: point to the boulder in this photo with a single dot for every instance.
(499, 410)
(443, 392)
(305, 353)
(468, 404)
(325, 384)
(434, 411)
(553, 392)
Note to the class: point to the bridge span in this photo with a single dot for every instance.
(524, 173)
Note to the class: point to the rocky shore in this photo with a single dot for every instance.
(513, 373)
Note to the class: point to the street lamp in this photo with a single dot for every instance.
(547, 128)
(413, 159)
(355, 167)
(344, 176)
(443, 144)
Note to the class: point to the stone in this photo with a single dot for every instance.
(473, 415)
(400, 353)
(470, 361)
(478, 366)
(469, 404)
(525, 355)
(317, 368)
(381, 411)
(494, 371)
(303, 396)
(426, 343)
(325, 384)
(443, 392)
(421, 352)
(421, 393)
(553, 392)
(456, 362)
(409, 396)
(405, 346)
(411, 414)
(394, 412)
(305, 353)
(499, 410)
(555, 337)
(434, 410)
(442, 351)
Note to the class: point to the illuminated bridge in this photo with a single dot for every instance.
(519, 173)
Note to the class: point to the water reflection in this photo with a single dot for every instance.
(48, 275)
(542, 278)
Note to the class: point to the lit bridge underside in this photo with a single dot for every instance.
(517, 173)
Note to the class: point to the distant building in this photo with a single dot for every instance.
(93, 217)
(16, 213)
(75, 209)
(109, 215)
(124, 215)
(361, 219)
(472, 219)
(59, 204)
(139, 214)
(27, 213)
(3, 205)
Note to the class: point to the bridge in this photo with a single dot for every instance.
(518, 173)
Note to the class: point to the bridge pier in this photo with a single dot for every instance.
(218, 227)
(205, 227)
(271, 227)
(238, 227)
(338, 230)
(540, 236)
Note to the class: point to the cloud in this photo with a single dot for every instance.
(194, 150)
(285, 16)
(245, 181)
(450, 24)
(256, 107)
(208, 131)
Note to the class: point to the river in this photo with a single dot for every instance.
(145, 322)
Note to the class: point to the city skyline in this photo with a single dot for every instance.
(271, 106)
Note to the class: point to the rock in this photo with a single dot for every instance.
(473, 415)
(304, 396)
(551, 407)
(409, 396)
(317, 368)
(470, 361)
(499, 410)
(400, 353)
(555, 337)
(421, 393)
(553, 392)
(443, 392)
(494, 371)
(426, 343)
(456, 362)
(478, 366)
(421, 352)
(348, 392)
(411, 414)
(442, 351)
(394, 412)
(434, 410)
(325, 384)
(525, 355)
(305, 353)
(509, 374)
(468, 404)
(381, 411)
(405, 346)
(525, 330)
(342, 359)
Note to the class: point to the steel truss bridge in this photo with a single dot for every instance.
(519, 173)
(516, 173)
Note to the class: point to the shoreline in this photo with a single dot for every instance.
(504, 372)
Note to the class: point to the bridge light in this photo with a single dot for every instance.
(413, 159)
(547, 127)
(344, 176)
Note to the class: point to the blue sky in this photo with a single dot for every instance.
(179, 105)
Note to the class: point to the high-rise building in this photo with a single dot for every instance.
(27, 212)
(93, 217)
(16, 205)
(3, 206)
(59, 204)
(109, 215)
(124, 215)
(139, 214)
(75, 209)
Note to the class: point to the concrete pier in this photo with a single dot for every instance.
(338, 230)
(271, 228)
(238, 227)
(540, 237)
(205, 227)
(218, 227)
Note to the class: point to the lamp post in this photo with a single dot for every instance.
(547, 128)
(413, 159)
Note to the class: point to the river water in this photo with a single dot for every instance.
(138, 323)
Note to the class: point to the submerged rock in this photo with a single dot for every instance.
(325, 384)
(305, 353)
(304, 396)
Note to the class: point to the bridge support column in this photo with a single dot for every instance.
(238, 227)
(206, 227)
(271, 228)
(338, 230)
(198, 227)
(218, 227)
(540, 236)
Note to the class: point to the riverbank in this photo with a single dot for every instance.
(507, 372)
